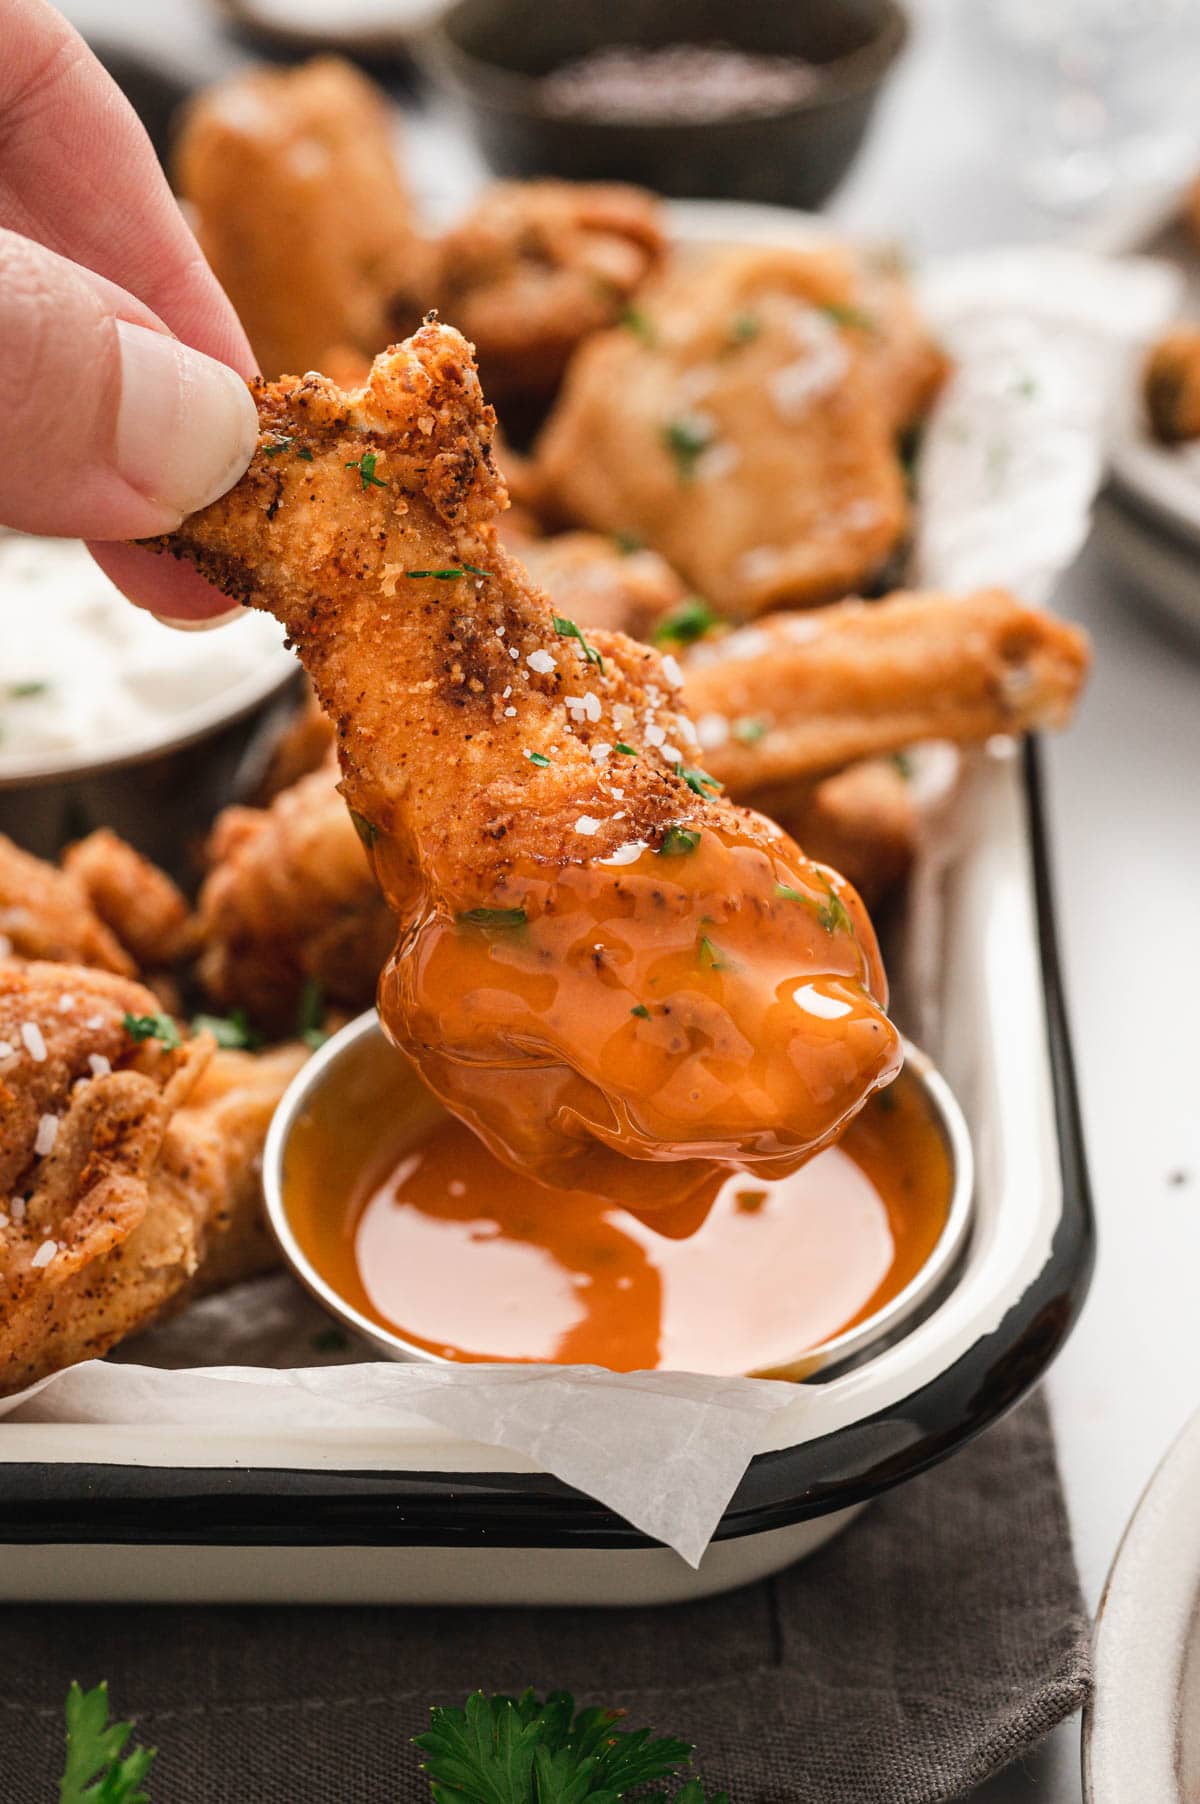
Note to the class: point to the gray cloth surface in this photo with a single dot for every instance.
(930, 1644)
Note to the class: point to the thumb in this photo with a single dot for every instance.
(123, 429)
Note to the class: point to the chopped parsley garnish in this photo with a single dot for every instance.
(903, 764)
(641, 325)
(282, 443)
(567, 629)
(747, 730)
(311, 1015)
(365, 466)
(367, 831)
(698, 781)
(153, 1027)
(711, 956)
(628, 542)
(843, 315)
(690, 621)
(686, 439)
(678, 840)
(21, 692)
(1026, 387)
(493, 917)
(642, 1011)
(538, 758)
(833, 915)
(629, 751)
(443, 576)
(743, 327)
(789, 894)
(305, 454)
(231, 1031)
(98, 1771)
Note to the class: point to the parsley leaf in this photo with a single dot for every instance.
(448, 575)
(538, 758)
(493, 917)
(567, 629)
(232, 1031)
(699, 781)
(747, 730)
(641, 325)
(744, 327)
(367, 831)
(504, 1750)
(678, 840)
(365, 466)
(153, 1027)
(20, 692)
(789, 894)
(690, 621)
(711, 956)
(628, 542)
(282, 443)
(904, 764)
(630, 751)
(687, 438)
(642, 1011)
(310, 1016)
(834, 915)
(97, 1770)
(843, 315)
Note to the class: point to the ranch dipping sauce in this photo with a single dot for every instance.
(87, 677)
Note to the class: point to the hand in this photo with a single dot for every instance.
(122, 363)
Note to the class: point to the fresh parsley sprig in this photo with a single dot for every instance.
(153, 1027)
(567, 629)
(233, 1031)
(98, 1771)
(693, 619)
(365, 465)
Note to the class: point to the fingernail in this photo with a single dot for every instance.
(186, 425)
(204, 625)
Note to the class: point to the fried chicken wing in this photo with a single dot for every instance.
(1171, 385)
(137, 901)
(598, 957)
(798, 694)
(46, 913)
(535, 267)
(290, 899)
(737, 430)
(862, 821)
(301, 211)
(906, 367)
(596, 583)
(128, 1169)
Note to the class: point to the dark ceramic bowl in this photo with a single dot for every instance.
(489, 54)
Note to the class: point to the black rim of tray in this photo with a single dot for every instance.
(60, 1503)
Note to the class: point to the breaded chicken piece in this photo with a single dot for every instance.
(592, 945)
(796, 695)
(1171, 385)
(535, 267)
(124, 1164)
(289, 900)
(737, 430)
(46, 913)
(906, 367)
(301, 210)
(594, 582)
(108, 907)
(862, 821)
(141, 905)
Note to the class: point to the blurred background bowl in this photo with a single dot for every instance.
(491, 54)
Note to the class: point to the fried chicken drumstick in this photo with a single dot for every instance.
(598, 956)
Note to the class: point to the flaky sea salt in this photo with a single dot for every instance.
(626, 854)
(6, 1049)
(47, 1134)
(95, 1022)
(712, 730)
(509, 713)
(99, 1065)
(674, 674)
(34, 1043)
(17, 1208)
(541, 661)
(66, 1003)
(45, 1253)
(654, 734)
(587, 825)
(600, 752)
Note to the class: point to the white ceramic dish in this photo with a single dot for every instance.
(1141, 1733)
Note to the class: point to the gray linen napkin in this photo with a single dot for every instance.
(933, 1642)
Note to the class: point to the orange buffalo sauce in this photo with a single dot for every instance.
(436, 1239)
(712, 1001)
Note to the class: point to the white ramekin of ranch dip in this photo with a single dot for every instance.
(109, 718)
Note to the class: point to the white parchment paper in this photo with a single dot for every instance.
(1009, 467)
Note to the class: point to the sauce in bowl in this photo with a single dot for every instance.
(433, 1239)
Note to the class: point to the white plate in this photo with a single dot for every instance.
(1141, 1733)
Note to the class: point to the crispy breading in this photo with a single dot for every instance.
(290, 899)
(503, 768)
(301, 210)
(128, 1169)
(46, 913)
(737, 431)
(796, 695)
(534, 267)
(1171, 385)
(906, 366)
(138, 902)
